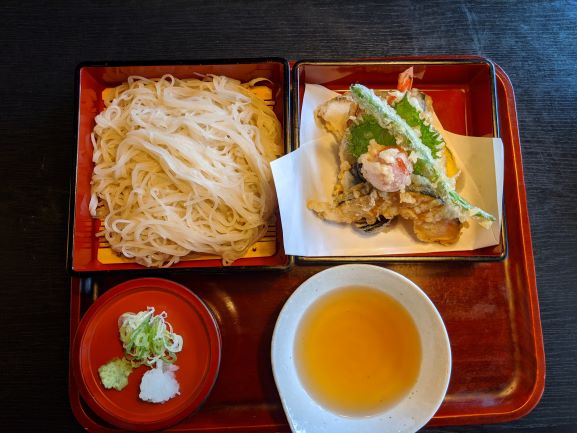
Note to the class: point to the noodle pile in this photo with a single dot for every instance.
(182, 166)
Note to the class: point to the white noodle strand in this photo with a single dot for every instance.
(182, 166)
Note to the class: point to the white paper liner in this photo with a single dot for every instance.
(310, 172)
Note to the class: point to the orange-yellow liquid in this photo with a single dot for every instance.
(357, 351)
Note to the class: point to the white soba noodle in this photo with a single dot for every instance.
(182, 166)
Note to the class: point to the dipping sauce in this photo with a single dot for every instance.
(357, 351)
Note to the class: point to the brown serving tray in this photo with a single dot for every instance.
(490, 309)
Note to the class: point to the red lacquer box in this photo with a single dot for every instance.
(87, 252)
(464, 93)
(490, 307)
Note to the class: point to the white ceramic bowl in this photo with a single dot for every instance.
(304, 414)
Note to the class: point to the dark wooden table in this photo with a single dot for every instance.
(41, 43)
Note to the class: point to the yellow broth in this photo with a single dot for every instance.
(357, 351)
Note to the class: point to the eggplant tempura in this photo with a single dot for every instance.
(393, 163)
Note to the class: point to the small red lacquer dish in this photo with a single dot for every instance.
(97, 342)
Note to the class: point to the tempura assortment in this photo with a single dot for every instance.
(393, 162)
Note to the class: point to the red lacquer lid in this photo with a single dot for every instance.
(97, 342)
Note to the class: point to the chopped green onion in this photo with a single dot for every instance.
(147, 338)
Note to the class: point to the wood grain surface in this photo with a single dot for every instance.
(42, 42)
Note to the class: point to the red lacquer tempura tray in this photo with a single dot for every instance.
(490, 309)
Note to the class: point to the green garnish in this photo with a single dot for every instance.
(388, 118)
(419, 167)
(115, 373)
(366, 130)
(146, 338)
(429, 136)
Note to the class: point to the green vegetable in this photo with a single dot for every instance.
(115, 373)
(366, 130)
(419, 167)
(388, 118)
(429, 136)
(146, 338)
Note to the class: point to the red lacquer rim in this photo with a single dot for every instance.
(532, 398)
